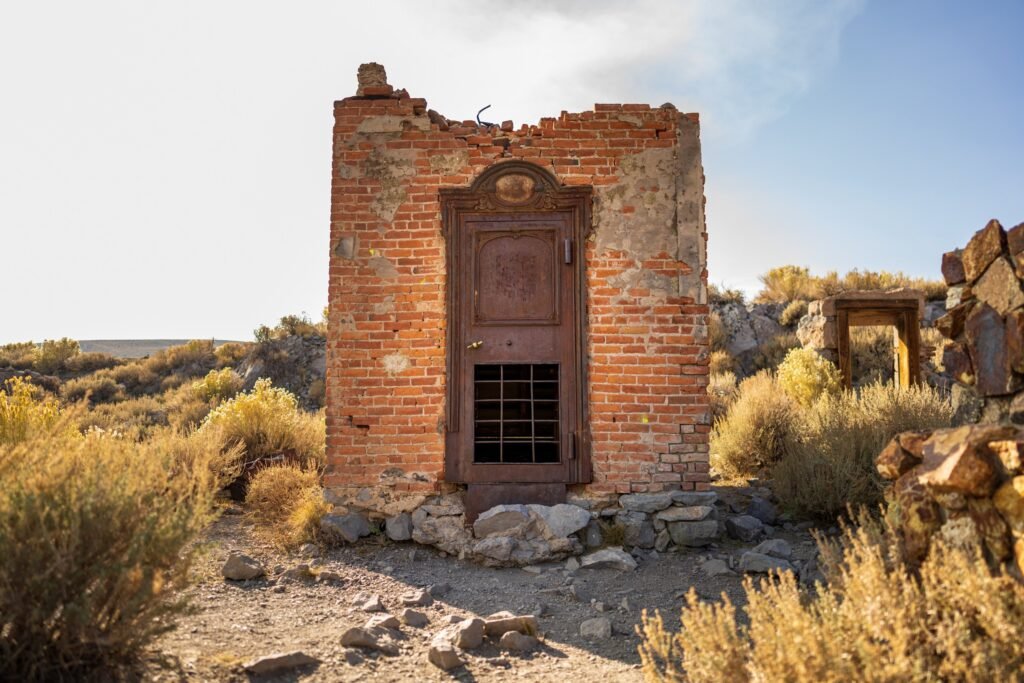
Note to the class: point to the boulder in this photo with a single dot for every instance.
(500, 623)
(999, 287)
(690, 498)
(957, 362)
(411, 617)
(383, 621)
(1010, 453)
(562, 519)
(240, 567)
(762, 510)
(715, 567)
(399, 527)
(468, 634)
(367, 640)
(514, 641)
(593, 537)
(987, 346)
(951, 325)
(608, 558)
(1009, 501)
(985, 247)
(662, 540)
(693, 534)
(756, 563)
(638, 529)
(744, 527)
(372, 604)
(1015, 245)
(443, 655)
(276, 664)
(498, 548)
(953, 267)
(500, 520)
(1015, 340)
(894, 461)
(447, 533)
(992, 528)
(693, 513)
(347, 528)
(417, 598)
(776, 547)
(955, 461)
(598, 628)
(646, 502)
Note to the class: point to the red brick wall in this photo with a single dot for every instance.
(647, 332)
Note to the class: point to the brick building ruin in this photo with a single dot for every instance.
(516, 315)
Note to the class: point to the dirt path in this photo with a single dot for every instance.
(236, 622)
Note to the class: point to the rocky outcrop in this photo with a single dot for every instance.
(964, 485)
(748, 328)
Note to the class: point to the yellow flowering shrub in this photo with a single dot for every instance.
(21, 413)
(806, 376)
(218, 385)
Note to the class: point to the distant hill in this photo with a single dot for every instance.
(134, 348)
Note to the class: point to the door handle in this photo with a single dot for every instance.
(475, 345)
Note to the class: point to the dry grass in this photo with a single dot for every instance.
(753, 434)
(872, 353)
(721, 394)
(770, 354)
(792, 313)
(790, 283)
(95, 536)
(720, 294)
(720, 362)
(98, 389)
(268, 421)
(53, 355)
(717, 335)
(286, 502)
(829, 460)
(874, 621)
(19, 355)
(231, 354)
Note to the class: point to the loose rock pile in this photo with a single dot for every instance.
(985, 323)
(965, 485)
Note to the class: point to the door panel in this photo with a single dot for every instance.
(517, 370)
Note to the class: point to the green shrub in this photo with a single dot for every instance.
(53, 355)
(875, 620)
(90, 361)
(218, 385)
(95, 541)
(755, 430)
(829, 462)
(792, 313)
(268, 421)
(99, 389)
(806, 376)
(19, 355)
(22, 413)
(286, 502)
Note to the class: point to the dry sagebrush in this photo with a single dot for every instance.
(95, 536)
(806, 376)
(755, 429)
(874, 621)
(286, 503)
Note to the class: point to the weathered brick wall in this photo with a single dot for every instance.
(647, 312)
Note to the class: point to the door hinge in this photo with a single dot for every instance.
(568, 250)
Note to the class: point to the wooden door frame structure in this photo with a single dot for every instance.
(510, 187)
(899, 313)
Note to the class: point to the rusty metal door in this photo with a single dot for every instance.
(515, 348)
(517, 361)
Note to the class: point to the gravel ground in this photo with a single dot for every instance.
(235, 622)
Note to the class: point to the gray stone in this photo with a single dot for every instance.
(309, 550)
(418, 598)
(763, 510)
(348, 528)
(715, 567)
(690, 498)
(775, 547)
(399, 527)
(517, 642)
(756, 563)
(694, 513)
(613, 558)
(271, 665)
(439, 590)
(442, 655)
(446, 533)
(242, 568)
(468, 633)
(662, 541)
(500, 519)
(593, 538)
(694, 534)
(744, 527)
(598, 628)
(638, 529)
(572, 564)
(411, 617)
(495, 547)
(562, 519)
(646, 502)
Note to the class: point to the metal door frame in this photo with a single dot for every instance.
(511, 187)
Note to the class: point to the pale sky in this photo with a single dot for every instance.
(165, 166)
